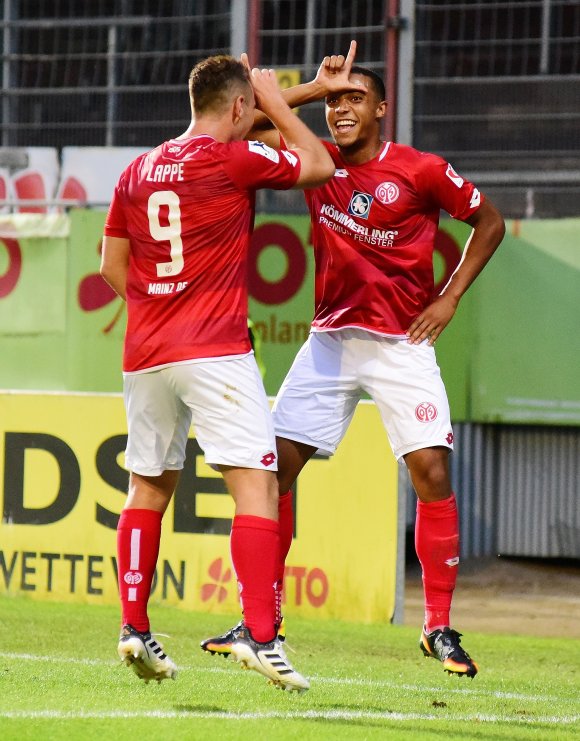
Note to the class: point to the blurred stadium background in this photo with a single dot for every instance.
(492, 86)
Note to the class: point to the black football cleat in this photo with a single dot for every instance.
(445, 646)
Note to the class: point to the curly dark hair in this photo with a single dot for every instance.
(213, 80)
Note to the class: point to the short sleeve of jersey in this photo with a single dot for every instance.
(116, 223)
(439, 182)
(252, 164)
(329, 146)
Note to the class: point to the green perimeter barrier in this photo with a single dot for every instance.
(510, 355)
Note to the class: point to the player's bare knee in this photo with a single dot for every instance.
(292, 457)
(429, 472)
(432, 490)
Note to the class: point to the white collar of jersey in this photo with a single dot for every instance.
(383, 154)
(343, 173)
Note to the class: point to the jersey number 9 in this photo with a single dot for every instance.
(170, 233)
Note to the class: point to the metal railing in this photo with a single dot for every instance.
(492, 86)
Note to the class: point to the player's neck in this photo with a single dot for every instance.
(219, 129)
(361, 151)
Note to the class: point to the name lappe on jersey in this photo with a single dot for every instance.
(360, 204)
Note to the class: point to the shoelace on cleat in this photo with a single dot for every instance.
(155, 647)
(451, 645)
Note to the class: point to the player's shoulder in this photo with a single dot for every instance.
(184, 149)
(260, 149)
(332, 149)
(330, 146)
(419, 167)
(417, 157)
(242, 150)
(334, 152)
(132, 170)
(136, 162)
(257, 154)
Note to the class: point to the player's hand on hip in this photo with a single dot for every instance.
(432, 321)
(334, 72)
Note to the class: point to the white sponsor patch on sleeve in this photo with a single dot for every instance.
(264, 150)
(475, 199)
(454, 177)
(292, 158)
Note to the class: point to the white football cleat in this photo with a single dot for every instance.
(268, 659)
(142, 652)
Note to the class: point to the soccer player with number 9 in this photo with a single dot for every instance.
(175, 248)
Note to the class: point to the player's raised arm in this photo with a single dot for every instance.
(332, 76)
(316, 165)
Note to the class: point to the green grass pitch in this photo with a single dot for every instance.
(60, 679)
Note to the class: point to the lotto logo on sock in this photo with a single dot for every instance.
(133, 577)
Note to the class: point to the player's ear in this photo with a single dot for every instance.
(237, 109)
(381, 109)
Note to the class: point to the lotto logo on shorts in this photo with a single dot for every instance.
(268, 459)
(426, 412)
(387, 193)
(360, 204)
(133, 577)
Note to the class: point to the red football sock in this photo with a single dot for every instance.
(254, 547)
(138, 536)
(437, 546)
(286, 523)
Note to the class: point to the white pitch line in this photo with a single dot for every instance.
(466, 690)
(55, 659)
(290, 715)
(359, 682)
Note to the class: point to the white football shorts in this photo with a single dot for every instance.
(331, 372)
(223, 398)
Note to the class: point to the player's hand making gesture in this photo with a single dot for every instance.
(334, 72)
(316, 165)
(332, 77)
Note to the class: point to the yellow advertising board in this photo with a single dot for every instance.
(64, 486)
(288, 77)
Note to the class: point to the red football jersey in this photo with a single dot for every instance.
(187, 208)
(373, 231)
